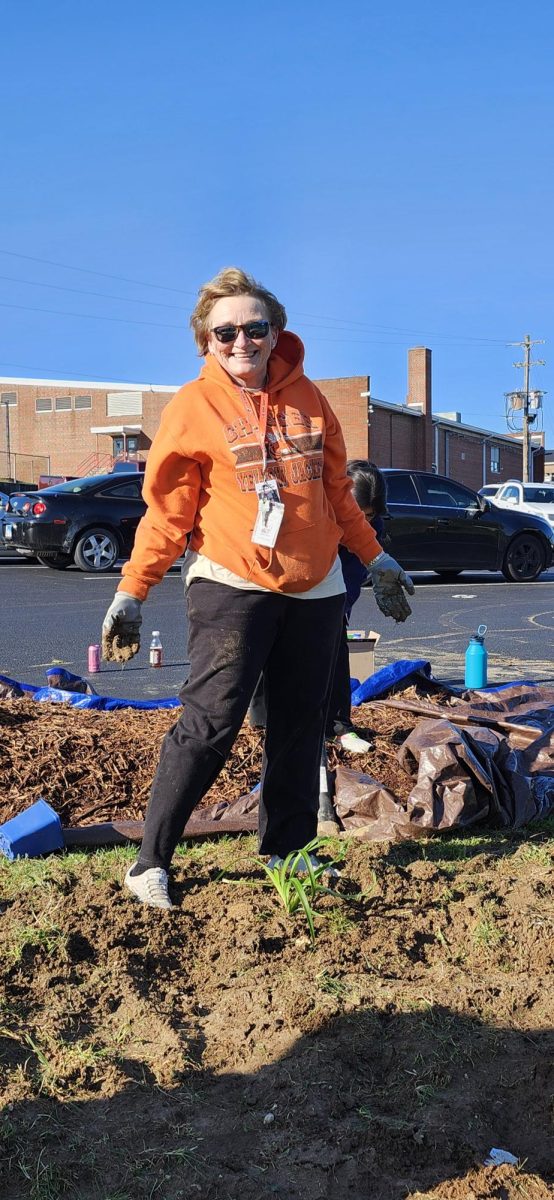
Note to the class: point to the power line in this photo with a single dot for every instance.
(399, 329)
(58, 287)
(101, 274)
(58, 312)
(180, 308)
(459, 339)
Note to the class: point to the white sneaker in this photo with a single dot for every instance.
(353, 742)
(150, 887)
(299, 867)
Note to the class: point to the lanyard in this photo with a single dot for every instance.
(259, 424)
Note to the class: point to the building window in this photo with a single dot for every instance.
(124, 404)
(83, 402)
(8, 399)
(62, 403)
(43, 404)
(495, 460)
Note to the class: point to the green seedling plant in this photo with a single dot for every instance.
(298, 883)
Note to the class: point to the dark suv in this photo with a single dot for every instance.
(90, 522)
(438, 525)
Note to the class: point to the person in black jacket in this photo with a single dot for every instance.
(370, 493)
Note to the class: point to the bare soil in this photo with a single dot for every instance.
(213, 1052)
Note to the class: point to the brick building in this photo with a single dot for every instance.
(71, 427)
(409, 435)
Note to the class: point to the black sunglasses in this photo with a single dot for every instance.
(255, 330)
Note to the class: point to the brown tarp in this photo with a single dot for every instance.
(463, 774)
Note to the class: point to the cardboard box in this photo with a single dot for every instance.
(361, 650)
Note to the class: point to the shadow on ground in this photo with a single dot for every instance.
(369, 1104)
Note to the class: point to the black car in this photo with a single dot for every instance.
(438, 525)
(90, 522)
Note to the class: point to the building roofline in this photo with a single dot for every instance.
(402, 408)
(489, 434)
(86, 383)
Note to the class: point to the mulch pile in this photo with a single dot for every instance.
(95, 766)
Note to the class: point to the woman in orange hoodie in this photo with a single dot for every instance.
(249, 460)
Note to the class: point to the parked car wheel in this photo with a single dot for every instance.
(524, 560)
(58, 562)
(97, 550)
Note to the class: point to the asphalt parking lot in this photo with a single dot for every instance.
(51, 617)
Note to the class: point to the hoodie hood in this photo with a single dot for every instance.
(285, 366)
(204, 465)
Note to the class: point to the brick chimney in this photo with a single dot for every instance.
(419, 396)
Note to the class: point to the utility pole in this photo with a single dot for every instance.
(521, 399)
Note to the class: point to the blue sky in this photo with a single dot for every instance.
(387, 170)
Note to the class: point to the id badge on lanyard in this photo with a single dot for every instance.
(271, 509)
(270, 513)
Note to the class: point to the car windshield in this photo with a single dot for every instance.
(538, 495)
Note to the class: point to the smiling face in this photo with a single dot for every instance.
(244, 359)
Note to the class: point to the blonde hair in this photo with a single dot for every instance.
(231, 281)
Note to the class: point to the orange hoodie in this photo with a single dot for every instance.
(203, 466)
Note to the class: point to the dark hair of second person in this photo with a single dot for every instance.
(368, 485)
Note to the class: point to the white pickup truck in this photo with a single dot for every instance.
(535, 498)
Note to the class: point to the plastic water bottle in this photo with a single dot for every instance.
(156, 650)
(476, 660)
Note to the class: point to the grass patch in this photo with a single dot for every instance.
(487, 933)
(227, 850)
(55, 871)
(332, 985)
(46, 1181)
(57, 1061)
(541, 855)
(447, 850)
(26, 939)
(338, 921)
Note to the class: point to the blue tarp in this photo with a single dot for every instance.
(105, 703)
(80, 699)
(25, 687)
(376, 685)
(388, 677)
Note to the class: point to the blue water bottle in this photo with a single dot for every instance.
(476, 660)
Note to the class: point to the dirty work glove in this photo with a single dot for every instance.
(389, 580)
(120, 629)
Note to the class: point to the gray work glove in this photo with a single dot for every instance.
(389, 584)
(121, 628)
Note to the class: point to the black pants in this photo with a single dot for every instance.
(234, 635)
(339, 713)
